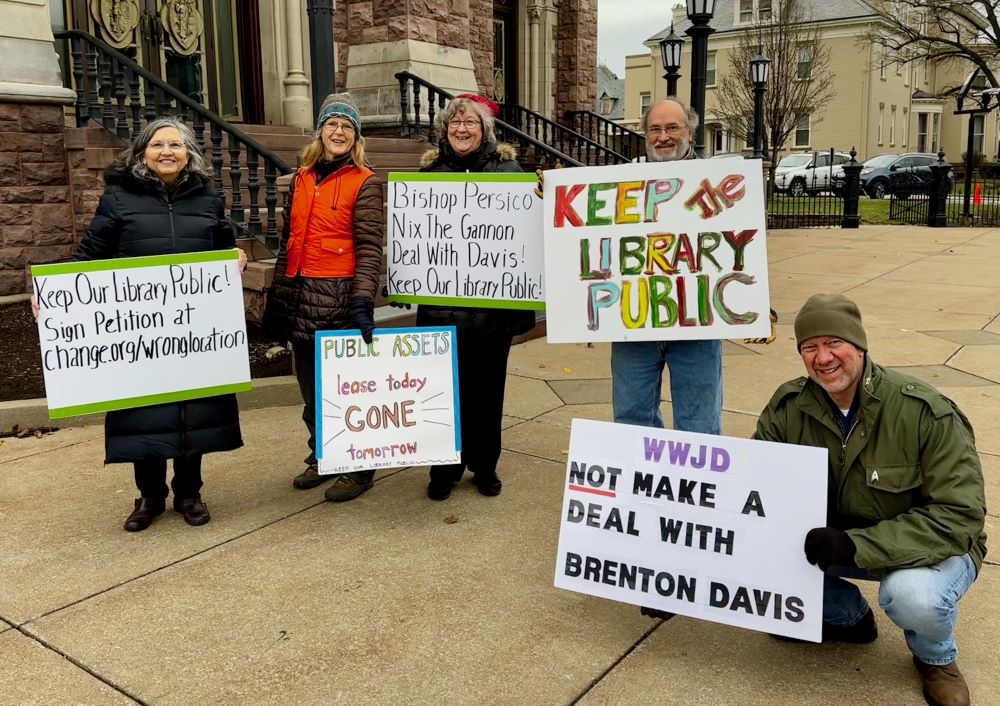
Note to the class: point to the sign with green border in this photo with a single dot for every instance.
(465, 239)
(132, 332)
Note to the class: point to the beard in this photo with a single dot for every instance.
(681, 148)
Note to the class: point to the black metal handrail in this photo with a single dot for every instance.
(566, 140)
(544, 154)
(619, 138)
(120, 95)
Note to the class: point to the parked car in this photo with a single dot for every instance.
(727, 155)
(900, 174)
(812, 172)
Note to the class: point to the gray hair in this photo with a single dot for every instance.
(458, 105)
(133, 157)
(691, 114)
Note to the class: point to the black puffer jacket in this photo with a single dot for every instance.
(137, 218)
(299, 306)
(490, 157)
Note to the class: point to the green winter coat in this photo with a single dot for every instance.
(906, 483)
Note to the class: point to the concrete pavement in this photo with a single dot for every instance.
(393, 599)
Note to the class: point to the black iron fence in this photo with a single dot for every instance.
(979, 205)
(811, 195)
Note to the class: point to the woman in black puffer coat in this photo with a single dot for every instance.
(159, 199)
(468, 144)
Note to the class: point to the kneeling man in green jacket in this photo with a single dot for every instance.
(906, 503)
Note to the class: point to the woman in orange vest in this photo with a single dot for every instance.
(328, 266)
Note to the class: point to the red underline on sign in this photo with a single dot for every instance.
(595, 491)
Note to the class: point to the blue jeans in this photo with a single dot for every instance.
(922, 601)
(695, 383)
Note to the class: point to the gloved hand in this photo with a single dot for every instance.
(362, 312)
(397, 305)
(654, 613)
(826, 546)
(774, 332)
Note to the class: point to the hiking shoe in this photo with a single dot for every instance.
(194, 511)
(488, 483)
(944, 685)
(310, 478)
(146, 510)
(348, 486)
(439, 489)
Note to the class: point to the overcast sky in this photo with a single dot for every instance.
(623, 25)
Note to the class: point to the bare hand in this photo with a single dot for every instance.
(774, 332)
(34, 307)
(243, 259)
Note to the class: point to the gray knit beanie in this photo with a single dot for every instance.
(830, 315)
(339, 105)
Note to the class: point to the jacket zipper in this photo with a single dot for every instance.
(843, 455)
(173, 233)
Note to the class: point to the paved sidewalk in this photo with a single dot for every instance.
(394, 599)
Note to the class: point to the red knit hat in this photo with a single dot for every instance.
(492, 108)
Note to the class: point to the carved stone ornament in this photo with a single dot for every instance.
(117, 20)
(183, 24)
(499, 86)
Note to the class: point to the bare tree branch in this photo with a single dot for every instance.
(782, 39)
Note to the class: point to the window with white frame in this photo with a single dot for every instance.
(643, 103)
(926, 62)
(892, 126)
(881, 119)
(922, 123)
(905, 126)
(881, 66)
(710, 70)
(751, 10)
(935, 130)
(802, 136)
(803, 64)
(978, 134)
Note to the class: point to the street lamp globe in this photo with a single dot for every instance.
(700, 8)
(760, 67)
(671, 47)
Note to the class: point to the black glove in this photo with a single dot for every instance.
(398, 305)
(363, 316)
(826, 546)
(654, 613)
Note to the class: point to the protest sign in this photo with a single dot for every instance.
(656, 251)
(130, 332)
(706, 526)
(393, 402)
(468, 239)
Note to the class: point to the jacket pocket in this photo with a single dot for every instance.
(337, 246)
(894, 478)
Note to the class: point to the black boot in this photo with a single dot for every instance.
(146, 510)
(488, 482)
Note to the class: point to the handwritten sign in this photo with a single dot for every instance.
(390, 403)
(137, 331)
(693, 524)
(656, 251)
(468, 239)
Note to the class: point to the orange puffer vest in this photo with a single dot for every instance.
(321, 238)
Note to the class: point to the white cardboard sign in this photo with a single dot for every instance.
(390, 403)
(706, 526)
(131, 332)
(656, 251)
(467, 239)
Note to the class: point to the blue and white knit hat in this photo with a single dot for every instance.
(339, 105)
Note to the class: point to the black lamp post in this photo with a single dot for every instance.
(322, 59)
(760, 67)
(700, 13)
(670, 51)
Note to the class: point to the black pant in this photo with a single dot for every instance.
(482, 377)
(151, 478)
(304, 355)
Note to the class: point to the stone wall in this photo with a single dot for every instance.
(576, 53)
(36, 213)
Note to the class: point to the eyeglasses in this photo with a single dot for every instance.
(161, 146)
(469, 124)
(666, 129)
(345, 128)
